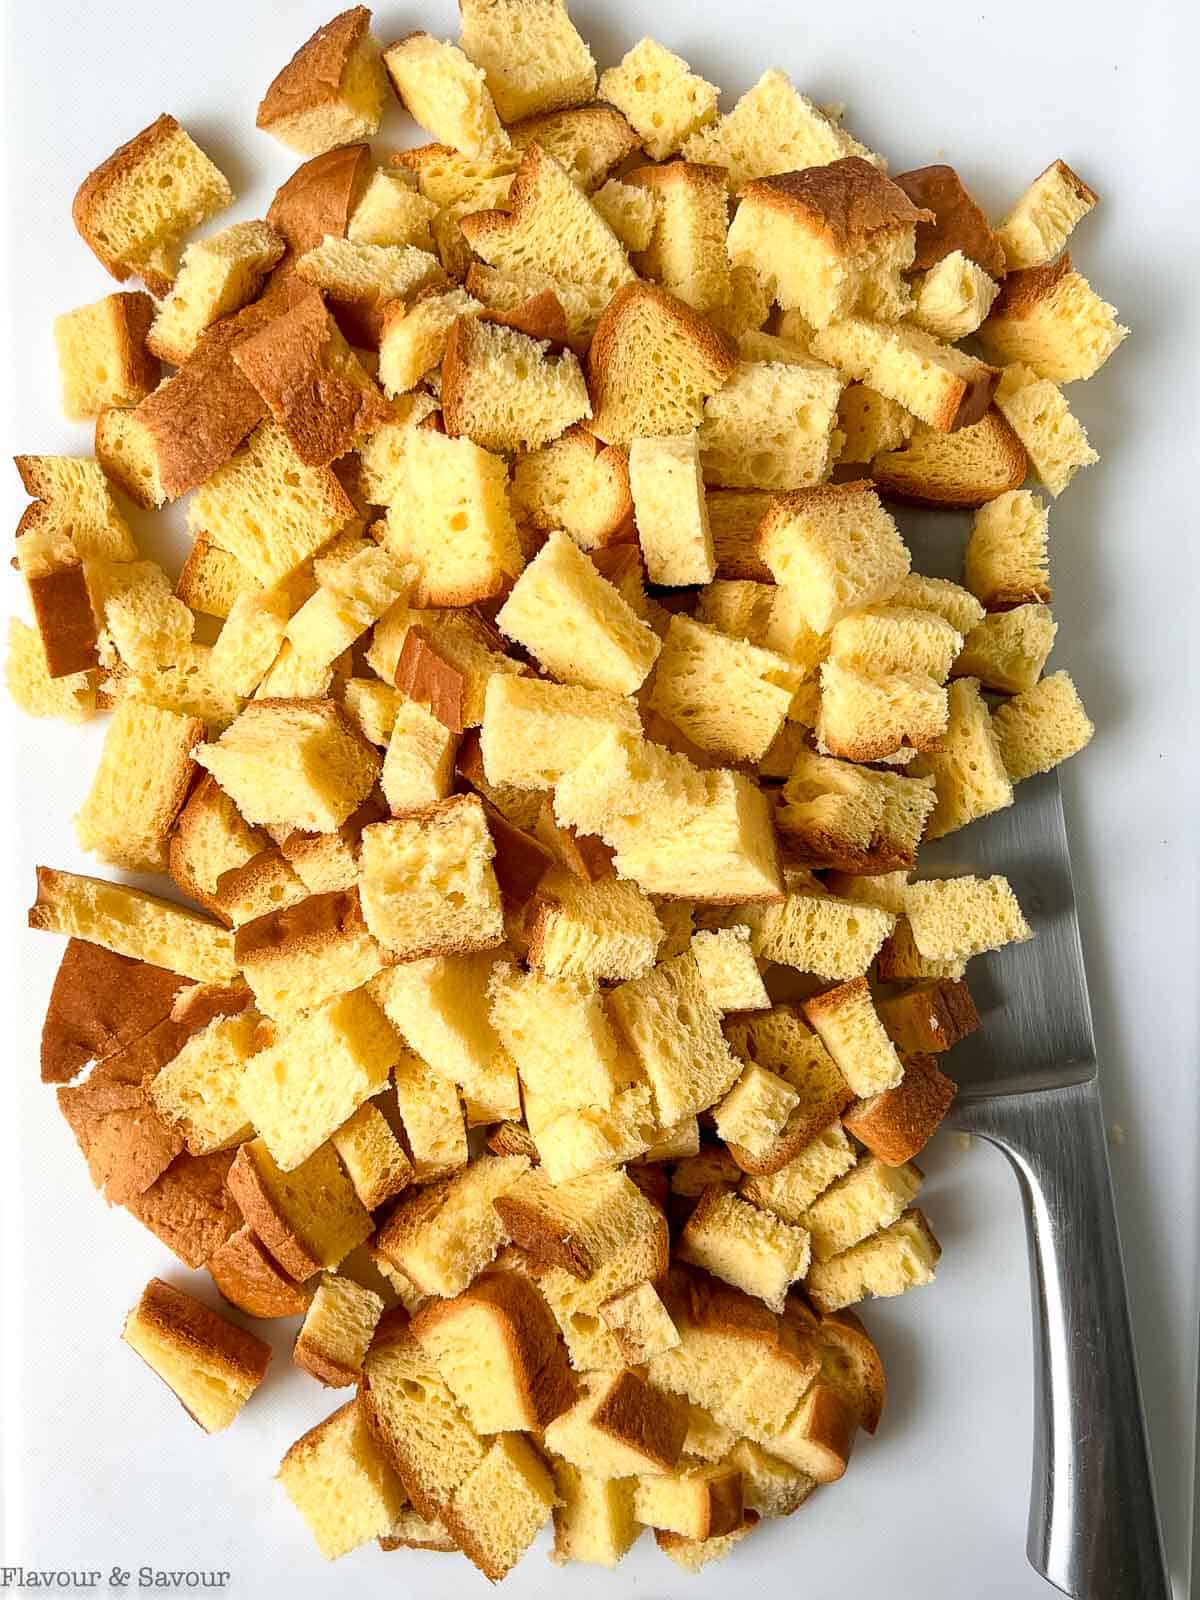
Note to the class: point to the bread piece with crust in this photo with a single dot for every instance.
(754, 1113)
(686, 251)
(309, 1218)
(197, 1090)
(1005, 563)
(728, 697)
(532, 55)
(298, 956)
(695, 1502)
(619, 1427)
(360, 280)
(73, 496)
(640, 1323)
(599, 931)
(317, 201)
(1038, 226)
(835, 546)
(664, 100)
(1055, 439)
(898, 1258)
(331, 92)
(579, 1227)
(897, 1124)
(1041, 727)
(391, 211)
(819, 933)
(593, 1520)
(968, 768)
(136, 206)
(248, 1276)
(336, 1333)
(871, 1196)
(505, 390)
(500, 1506)
(443, 90)
(142, 780)
(838, 815)
(868, 716)
(341, 1482)
(958, 223)
(953, 919)
(100, 1003)
(1050, 319)
(212, 1365)
(754, 1250)
(668, 1022)
(102, 355)
(589, 140)
(790, 1189)
(217, 276)
(373, 1156)
(966, 468)
(210, 838)
(850, 1028)
(61, 601)
(442, 1236)
(432, 1117)
(938, 383)
(772, 425)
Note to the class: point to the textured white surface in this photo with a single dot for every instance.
(101, 1469)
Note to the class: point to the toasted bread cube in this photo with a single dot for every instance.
(576, 484)
(836, 814)
(72, 697)
(309, 1218)
(894, 638)
(534, 730)
(1041, 727)
(443, 1235)
(686, 252)
(501, 1504)
(836, 239)
(360, 280)
(462, 640)
(755, 1111)
(1050, 318)
(584, 1143)
(1038, 226)
(589, 141)
(930, 1017)
(1055, 439)
(74, 496)
(958, 223)
(663, 99)
(897, 1124)
(596, 931)
(337, 1331)
(497, 1347)
(619, 1427)
(953, 919)
(341, 1482)
(532, 55)
(248, 1276)
(372, 1155)
(668, 501)
(819, 1435)
(728, 969)
(644, 328)
(968, 769)
(331, 92)
(773, 128)
(446, 93)
(217, 277)
(1008, 649)
(771, 426)
(640, 1323)
(675, 1033)
(728, 697)
(413, 338)
(141, 783)
(875, 716)
(900, 1257)
(1005, 562)
(432, 1116)
(696, 1502)
(953, 298)
(198, 1089)
(576, 623)
(941, 385)
(751, 1249)
(792, 1188)
(134, 209)
(869, 1197)
(210, 838)
(300, 955)
(298, 763)
(850, 1028)
(212, 1365)
(593, 1520)
(836, 547)
(579, 1227)
(770, 1487)
(144, 625)
(351, 595)
(59, 593)
(543, 1020)
(102, 355)
(264, 884)
(321, 1068)
(505, 390)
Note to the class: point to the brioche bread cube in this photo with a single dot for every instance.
(576, 624)
(341, 1482)
(102, 355)
(465, 642)
(1041, 727)
(629, 211)
(953, 919)
(900, 1257)
(1008, 649)
(849, 1026)
(534, 731)
(432, 1117)
(835, 238)
(578, 1144)
(668, 501)
(838, 815)
(605, 931)
(440, 1006)
(309, 1218)
(686, 251)
(447, 176)
(772, 128)
(217, 276)
(1042, 220)
(1005, 562)
(577, 484)
(210, 838)
(143, 625)
(870, 424)
(622, 775)
(640, 1323)
(543, 1021)
(1050, 318)
(373, 707)
(753, 1250)
(900, 960)
(372, 1155)
(64, 609)
(662, 98)
(72, 697)
(938, 383)
(958, 224)
(299, 955)
(198, 1089)
(965, 468)
(945, 599)
(770, 1487)
(771, 426)
(212, 1365)
(293, 763)
(505, 390)
(953, 297)
(869, 1197)
(897, 1124)
(337, 1330)
(728, 697)
(265, 883)
(579, 1227)
(391, 211)
(968, 769)
(644, 329)
(929, 1017)
(693, 1555)
(292, 676)
(446, 93)
(620, 1427)
(728, 969)
(790, 1190)
(668, 1022)
(593, 1520)
(1055, 439)
(755, 1111)
(836, 547)
(443, 1235)
(695, 1501)
(381, 454)
(530, 298)
(135, 207)
(248, 1276)
(738, 607)
(892, 638)
(497, 1347)
(707, 1439)
(818, 933)
(418, 768)
(453, 484)
(267, 508)
(499, 1507)
(331, 92)
(819, 1435)
(531, 53)
(351, 595)
(413, 336)
(72, 495)
(360, 280)
(589, 140)
(867, 716)
(142, 780)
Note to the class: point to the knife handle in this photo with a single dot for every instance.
(1093, 1527)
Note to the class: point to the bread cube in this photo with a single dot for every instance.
(372, 1155)
(620, 1426)
(1050, 319)
(836, 547)
(577, 484)
(663, 99)
(135, 207)
(836, 814)
(1042, 220)
(850, 1028)
(696, 1502)
(341, 1482)
(198, 1089)
(505, 390)
(629, 210)
(675, 1033)
(593, 1520)
(728, 969)
(432, 1117)
(360, 280)
(72, 697)
(413, 336)
(869, 1197)
(1041, 727)
(418, 768)
(446, 93)
(1005, 562)
(958, 225)
(693, 1555)
(102, 355)
(501, 1504)
(897, 1124)
(953, 297)
(772, 128)
(298, 956)
(819, 933)
(686, 250)
(751, 1249)
(968, 769)
(965, 468)
(938, 383)
(953, 919)
(728, 697)
(894, 638)
(1007, 650)
(331, 92)
(531, 53)
(217, 276)
(392, 212)
(899, 958)
(543, 1020)
(589, 141)
(443, 1235)
(772, 425)
(427, 883)
(668, 500)
(950, 601)
(248, 1276)
(1056, 440)
(141, 783)
(640, 1323)
(755, 1111)
(440, 1006)
(576, 1144)
(337, 1330)
(931, 1016)
(209, 839)
(870, 424)
(791, 1189)
(875, 716)
(898, 1258)
(212, 1365)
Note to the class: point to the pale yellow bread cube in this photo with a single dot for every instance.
(563, 612)
(341, 1482)
(686, 251)
(623, 776)
(443, 1235)
(753, 1250)
(413, 338)
(968, 769)
(372, 707)
(337, 1330)
(577, 484)
(835, 814)
(593, 1520)
(296, 956)
(836, 547)
(217, 276)
(210, 838)
(446, 175)
(640, 1323)
(531, 53)
(589, 141)
(466, 643)
(251, 638)
(1041, 727)
(849, 1026)
(211, 1364)
(728, 969)
(770, 1487)
(869, 1197)
(198, 1089)
(586, 1143)
(604, 931)
(898, 1258)
(870, 424)
(212, 579)
(541, 1021)
(663, 99)
(893, 638)
(446, 93)
(535, 730)
(102, 355)
(695, 1501)
(730, 698)
(1005, 563)
(620, 1426)
(668, 1022)
(381, 454)
(1042, 220)
(953, 919)
(372, 1156)
(508, 391)
(668, 502)
(353, 591)
(72, 698)
(1008, 649)
(418, 766)
(953, 297)
(1055, 439)
(73, 496)
(143, 625)
(965, 468)
(772, 426)
(877, 716)
(331, 92)
(392, 212)
(790, 1190)
(937, 382)
(140, 785)
(629, 211)
(755, 1111)
(772, 128)
(432, 1117)
(1050, 318)
(500, 1506)
(308, 1219)
(818, 933)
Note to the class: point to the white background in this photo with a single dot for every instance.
(101, 1469)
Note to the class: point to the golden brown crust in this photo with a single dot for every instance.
(101, 1003)
(959, 470)
(723, 1509)
(512, 1139)
(855, 1367)
(202, 1003)
(829, 1426)
(267, 1220)
(249, 1278)
(110, 174)
(601, 130)
(958, 223)
(427, 677)
(584, 854)
(520, 862)
(801, 1128)
(847, 203)
(202, 1333)
(897, 1124)
(647, 1420)
(309, 925)
(968, 401)
(311, 382)
(541, 317)
(1023, 293)
(62, 611)
(318, 199)
(140, 369)
(313, 77)
(189, 1208)
(930, 1017)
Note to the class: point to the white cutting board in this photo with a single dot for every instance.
(101, 1468)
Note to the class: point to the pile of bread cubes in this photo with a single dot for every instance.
(551, 1018)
